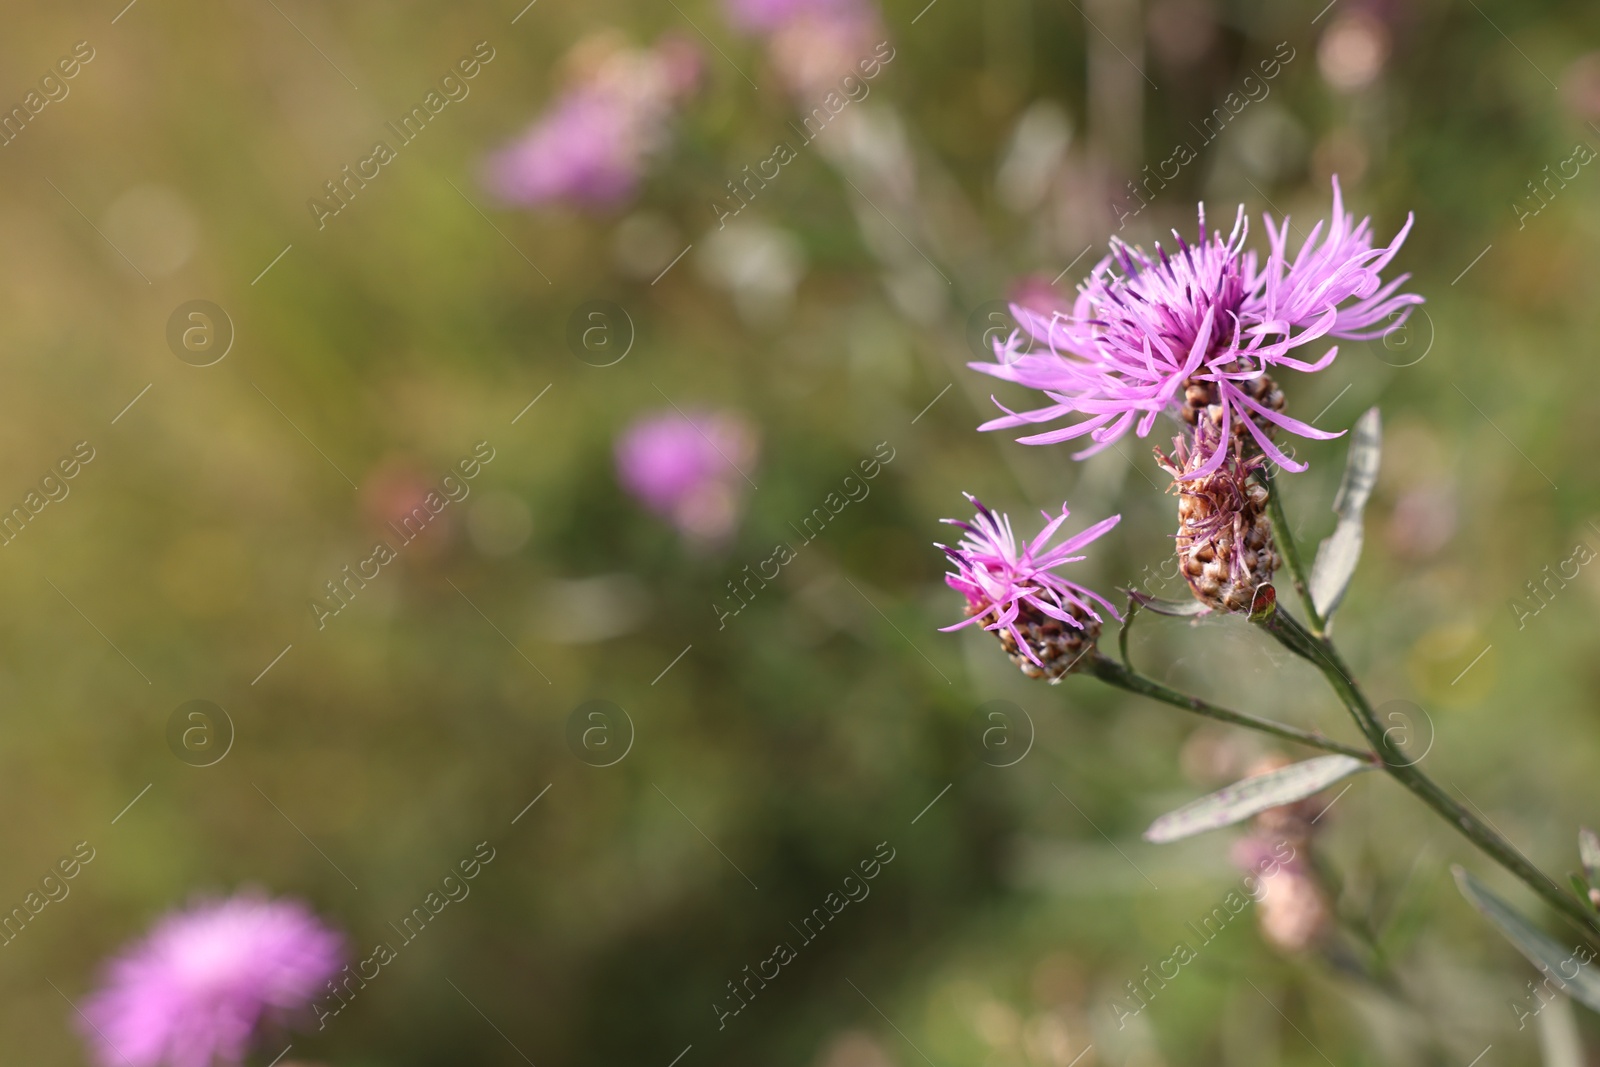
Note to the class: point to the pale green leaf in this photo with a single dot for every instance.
(1338, 555)
(1565, 968)
(1252, 796)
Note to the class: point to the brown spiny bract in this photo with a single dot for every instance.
(1059, 647)
(1201, 397)
(1225, 548)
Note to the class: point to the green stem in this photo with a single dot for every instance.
(1122, 635)
(1284, 538)
(1320, 651)
(1315, 646)
(1113, 673)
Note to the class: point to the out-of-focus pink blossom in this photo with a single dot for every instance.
(590, 147)
(1036, 293)
(815, 55)
(689, 468)
(194, 991)
(814, 44)
(755, 17)
(1580, 87)
(1292, 907)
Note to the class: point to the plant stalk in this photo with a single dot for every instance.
(1113, 673)
(1284, 536)
(1320, 651)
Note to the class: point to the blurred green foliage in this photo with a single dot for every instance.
(830, 713)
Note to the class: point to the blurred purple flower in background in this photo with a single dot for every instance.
(812, 44)
(1354, 48)
(689, 468)
(1041, 297)
(1291, 906)
(590, 147)
(198, 986)
(1580, 87)
(1194, 333)
(757, 17)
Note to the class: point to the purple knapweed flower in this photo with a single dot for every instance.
(197, 987)
(1194, 334)
(590, 148)
(688, 468)
(1043, 620)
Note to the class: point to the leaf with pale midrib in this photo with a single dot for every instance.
(1252, 796)
(1338, 555)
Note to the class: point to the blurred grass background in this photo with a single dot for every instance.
(824, 718)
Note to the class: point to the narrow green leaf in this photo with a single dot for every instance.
(1361, 468)
(1338, 555)
(1252, 796)
(1589, 854)
(1564, 968)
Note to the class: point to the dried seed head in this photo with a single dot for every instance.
(1225, 547)
(1058, 648)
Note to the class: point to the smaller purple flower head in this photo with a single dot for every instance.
(1011, 588)
(687, 467)
(1195, 334)
(590, 148)
(198, 986)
